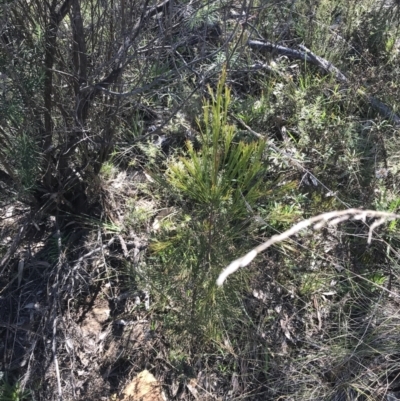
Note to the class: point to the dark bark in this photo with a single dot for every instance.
(79, 60)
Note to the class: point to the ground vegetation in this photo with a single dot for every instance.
(146, 146)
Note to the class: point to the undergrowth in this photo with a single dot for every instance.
(210, 190)
(13, 392)
(224, 146)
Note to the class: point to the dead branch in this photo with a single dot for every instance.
(317, 222)
(282, 50)
(309, 57)
(326, 65)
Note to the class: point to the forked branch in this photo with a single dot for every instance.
(316, 222)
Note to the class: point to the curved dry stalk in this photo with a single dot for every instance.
(317, 222)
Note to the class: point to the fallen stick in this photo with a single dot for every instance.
(326, 65)
(308, 56)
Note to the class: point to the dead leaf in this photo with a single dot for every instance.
(148, 177)
(285, 329)
(192, 388)
(143, 387)
(316, 306)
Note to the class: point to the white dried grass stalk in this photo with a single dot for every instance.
(317, 222)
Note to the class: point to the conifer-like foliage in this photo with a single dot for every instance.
(213, 185)
(225, 173)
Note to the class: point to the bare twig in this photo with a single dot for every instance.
(87, 255)
(54, 349)
(317, 222)
(123, 246)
